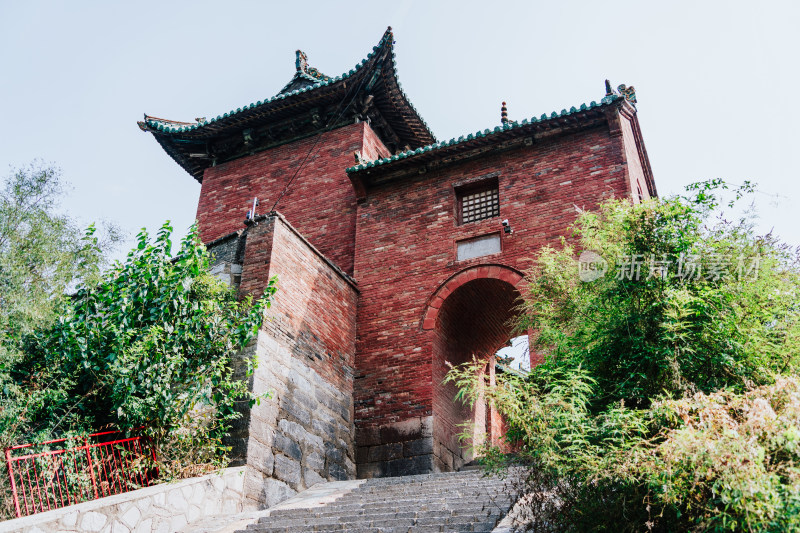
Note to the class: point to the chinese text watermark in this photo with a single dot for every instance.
(685, 267)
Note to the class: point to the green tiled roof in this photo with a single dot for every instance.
(170, 126)
(399, 123)
(609, 99)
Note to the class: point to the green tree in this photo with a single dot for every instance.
(43, 255)
(690, 301)
(42, 252)
(147, 342)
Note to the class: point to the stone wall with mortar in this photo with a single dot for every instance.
(162, 508)
(227, 255)
(397, 449)
(303, 433)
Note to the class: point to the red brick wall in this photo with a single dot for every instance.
(316, 302)
(304, 432)
(314, 305)
(400, 244)
(635, 165)
(320, 201)
(406, 249)
(372, 147)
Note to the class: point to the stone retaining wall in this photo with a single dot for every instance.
(303, 433)
(162, 508)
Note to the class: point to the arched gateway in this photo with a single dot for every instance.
(395, 255)
(469, 316)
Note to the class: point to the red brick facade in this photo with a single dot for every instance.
(320, 201)
(405, 251)
(419, 308)
(304, 432)
(381, 202)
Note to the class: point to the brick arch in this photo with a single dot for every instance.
(458, 279)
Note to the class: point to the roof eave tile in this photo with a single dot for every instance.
(485, 133)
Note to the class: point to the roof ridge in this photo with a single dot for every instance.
(148, 117)
(162, 125)
(608, 99)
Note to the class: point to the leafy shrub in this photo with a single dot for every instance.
(667, 333)
(724, 461)
(727, 460)
(149, 345)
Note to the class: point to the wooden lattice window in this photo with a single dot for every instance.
(479, 204)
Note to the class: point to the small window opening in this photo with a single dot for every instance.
(479, 202)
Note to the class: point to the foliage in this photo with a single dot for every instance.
(727, 459)
(149, 345)
(735, 322)
(148, 342)
(723, 461)
(662, 403)
(42, 252)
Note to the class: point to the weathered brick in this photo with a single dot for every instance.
(405, 251)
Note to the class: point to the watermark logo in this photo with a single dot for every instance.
(684, 267)
(591, 266)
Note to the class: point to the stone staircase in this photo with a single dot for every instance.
(447, 502)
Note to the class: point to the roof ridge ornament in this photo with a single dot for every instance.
(629, 93)
(504, 113)
(301, 61)
(305, 75)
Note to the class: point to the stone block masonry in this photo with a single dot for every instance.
(304, 433)
(396, 449)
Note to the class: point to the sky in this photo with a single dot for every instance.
(717, 83)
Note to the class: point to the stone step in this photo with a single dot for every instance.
(381, 521)
(450, 509)
(444, 516)
(450, 502)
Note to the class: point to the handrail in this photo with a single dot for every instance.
(51, 479)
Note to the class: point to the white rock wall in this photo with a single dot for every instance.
(162, 508)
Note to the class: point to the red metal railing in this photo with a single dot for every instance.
(104, 464)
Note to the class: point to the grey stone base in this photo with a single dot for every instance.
(448, 460)
(400, 449)
(300, 436)
(403, 466)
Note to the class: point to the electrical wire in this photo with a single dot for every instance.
(316, 141)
